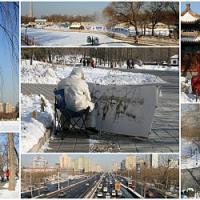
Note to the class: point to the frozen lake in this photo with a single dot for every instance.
(55, 38)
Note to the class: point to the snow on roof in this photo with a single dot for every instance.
(190, 39)
(174, 56)
(188, 17)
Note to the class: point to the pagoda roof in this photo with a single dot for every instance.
(188, 16)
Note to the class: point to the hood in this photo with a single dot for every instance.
(77, 73)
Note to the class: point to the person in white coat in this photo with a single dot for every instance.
(77, 94)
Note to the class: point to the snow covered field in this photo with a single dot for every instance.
(44, 73)
(6, 194)
(56, 38)
(33, 128)
(186, 92)
(9, 126)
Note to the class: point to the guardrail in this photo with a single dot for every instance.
(91, 193)
(132, 191)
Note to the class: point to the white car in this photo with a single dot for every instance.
(99, 194)
(108, 195)
(105, 189)
(119, 193)
(113, 193)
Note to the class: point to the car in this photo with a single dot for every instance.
(119, 193)
(108, 195)
(105, 189)
(99, 194)
(113, 193)
(87, 184)
(61, 194)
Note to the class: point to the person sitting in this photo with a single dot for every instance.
(77, 94)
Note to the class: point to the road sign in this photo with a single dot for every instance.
(117, 186)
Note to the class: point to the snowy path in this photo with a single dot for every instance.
(164, 137)
(53, 38)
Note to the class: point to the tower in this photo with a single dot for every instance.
(31, 9)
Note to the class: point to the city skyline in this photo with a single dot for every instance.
(103, 160)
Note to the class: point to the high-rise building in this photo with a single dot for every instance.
(31, 9)
(123, 165)
(8, 108)
(1, 108)
(115, 167)
(39, 162)
(65, 161)
(154, 160)
(130, 162)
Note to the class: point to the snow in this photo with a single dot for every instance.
(6, 194)
(157, 67)
(9, 126)
(44, 73)
(190, 39)
(60, 38)
(187, 17)
(33, 129)
(186, 91)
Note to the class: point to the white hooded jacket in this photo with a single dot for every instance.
(77, 94)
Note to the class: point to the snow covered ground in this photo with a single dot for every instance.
(44, 73)
(188, 153)
(33, 128)
(6, 194)
(9, 126)
(186, 92)
(157, 67)
(56, 38)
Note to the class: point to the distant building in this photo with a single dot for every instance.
(1, 108)
(76, 25)
(130, 162)
(154, 160)
(123, 165)
(115, 167)
(65, 161)
(40, 21)
(39, 162)
(174, 61)
(8, 108)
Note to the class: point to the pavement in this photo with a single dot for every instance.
(164, 136)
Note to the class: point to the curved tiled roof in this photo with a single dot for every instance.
(189, 16)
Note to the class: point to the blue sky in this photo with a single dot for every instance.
(195, 6)
(9, 69)
(63, 8)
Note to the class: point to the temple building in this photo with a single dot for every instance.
(190, 40)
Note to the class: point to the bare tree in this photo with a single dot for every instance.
(11, 161)
(125, 12)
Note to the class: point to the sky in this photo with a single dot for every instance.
(195, 6)
(9, 68)
(104, 160)
(63, 8)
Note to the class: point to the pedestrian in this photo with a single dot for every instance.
(88, 62)
(128, 64)
(93, 63)
(132, 63)
(84, 62)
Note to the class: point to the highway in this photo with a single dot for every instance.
(106, 189)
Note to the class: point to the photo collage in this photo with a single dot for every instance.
(99, 99)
